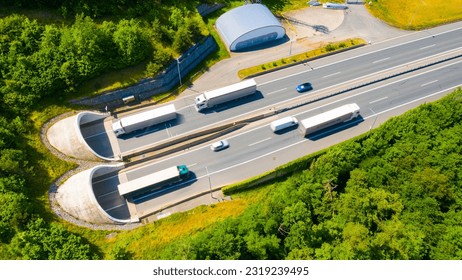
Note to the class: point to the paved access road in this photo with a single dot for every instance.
(336, 73)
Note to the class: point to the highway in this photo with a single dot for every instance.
(256, 149)
(336, 72)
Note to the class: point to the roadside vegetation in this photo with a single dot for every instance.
(416, 14)
(42, 60)
(52, 51)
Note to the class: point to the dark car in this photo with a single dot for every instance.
(304, 87)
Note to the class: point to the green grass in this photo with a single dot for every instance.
(111, 81)
(295, 59)
(46, 167)
(416, 14)
(147, 242)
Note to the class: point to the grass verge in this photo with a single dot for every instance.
(112, 80)
(300, 58)
(46, 167)
(147, 242)
(416, 14)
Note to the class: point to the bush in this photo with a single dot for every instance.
(330, 47)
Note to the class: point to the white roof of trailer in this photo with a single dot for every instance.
(330, 115)
(150, 114)
(234, 87)
(148, 180)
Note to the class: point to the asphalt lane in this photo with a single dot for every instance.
(282, 87)
(257, 149)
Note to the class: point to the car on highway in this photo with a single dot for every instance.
(304, 87)
(219, 145)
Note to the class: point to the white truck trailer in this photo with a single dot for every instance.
(153, 181)
(335, 116)
(215, 97)
(144, 119)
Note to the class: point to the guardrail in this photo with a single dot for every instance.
(181, 143)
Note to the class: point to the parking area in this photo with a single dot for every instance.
(312, 23)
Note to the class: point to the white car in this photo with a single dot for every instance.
(220, 145)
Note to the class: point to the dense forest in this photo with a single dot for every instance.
(393, 194)
(101, 8)
(48, 61)
(39, 60)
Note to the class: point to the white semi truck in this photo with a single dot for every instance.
(215, 97)
(154, 181)
(144, 119)
(335, 116)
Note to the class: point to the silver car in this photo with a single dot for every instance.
(220, 145)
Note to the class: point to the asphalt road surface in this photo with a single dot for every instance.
(257, 149)
(335, 73)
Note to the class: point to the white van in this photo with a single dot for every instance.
(283, 123)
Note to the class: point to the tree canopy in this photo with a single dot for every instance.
(393, 194)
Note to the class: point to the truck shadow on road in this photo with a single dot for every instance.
(234, 103)
(334, 129)
(166, 189)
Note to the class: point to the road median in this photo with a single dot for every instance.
(188, 141)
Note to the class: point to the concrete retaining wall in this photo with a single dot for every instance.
(205, 9)
(163, 82)
(66, 136)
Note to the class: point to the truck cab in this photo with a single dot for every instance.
(118, 129)
(183, 171)
(201, 102)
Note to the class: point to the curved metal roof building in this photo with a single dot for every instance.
(247, 26)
